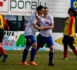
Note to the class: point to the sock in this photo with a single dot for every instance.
(33, 53)
(75, 51)
(2, 51)
(50, 57)
(25, 52)
(65, 53)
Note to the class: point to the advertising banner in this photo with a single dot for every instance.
(74, 4)
(57, 8)
(14, 40)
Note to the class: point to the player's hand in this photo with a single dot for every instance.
(70, 35)
(41, 28)
(44, 29)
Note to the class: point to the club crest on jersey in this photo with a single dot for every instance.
(47, 23)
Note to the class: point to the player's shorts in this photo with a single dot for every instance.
(42, 40)
(29, 40)
(1, 34)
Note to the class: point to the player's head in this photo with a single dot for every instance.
(71, 12)
(40, 10)
(46, 10)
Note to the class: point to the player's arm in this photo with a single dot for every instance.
(51, 26)
(37, 16)
(37, 27)
(34, 20)
(71, 24)
(5, 23)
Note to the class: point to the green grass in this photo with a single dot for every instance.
(14, 59)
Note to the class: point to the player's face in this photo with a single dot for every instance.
(69, 12)
(40, 12)
(46, 11)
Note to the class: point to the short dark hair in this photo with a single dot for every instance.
(40, 7)
(45, 7)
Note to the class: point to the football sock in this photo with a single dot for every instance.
(33, 53)
(50, 57)
(2, 50)
(25, 52)
(65, 53)
(75, 51)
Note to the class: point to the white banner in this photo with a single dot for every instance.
(15, 40)
(57, 8)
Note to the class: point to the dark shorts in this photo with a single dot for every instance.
(68, 41)
(29, 40)
(42, 40)
(1, 34)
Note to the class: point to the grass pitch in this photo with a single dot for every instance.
(14, 60)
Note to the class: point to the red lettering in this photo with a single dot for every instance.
(9, 43)
(6, 43)
(12, 43)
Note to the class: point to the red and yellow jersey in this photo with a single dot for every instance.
(3, 22)
(70, 26)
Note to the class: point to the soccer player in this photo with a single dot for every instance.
(69, 33)
(30, 31)
(3, 23)
(45, 35)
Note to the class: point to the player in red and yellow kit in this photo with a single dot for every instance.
(3, 23)
(69, 32)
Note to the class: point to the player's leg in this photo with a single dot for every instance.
(24, 56)
(65, 43)
(50, 44)
(40, 42)
(72, 46)
(25, 51)
(1, 46)
(33, 50)
(51, 53)
(0, 54)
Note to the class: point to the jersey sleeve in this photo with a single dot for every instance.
(71, 24)
(41, 19)
(34, 20)
(51, 19)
